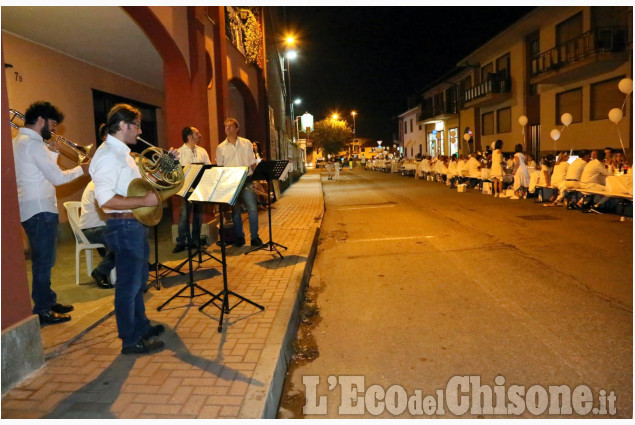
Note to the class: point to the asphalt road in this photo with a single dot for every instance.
(420, 286)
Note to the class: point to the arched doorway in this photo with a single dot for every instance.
(243, 107)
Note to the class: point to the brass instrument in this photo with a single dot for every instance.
(77, 154)
(160, 174)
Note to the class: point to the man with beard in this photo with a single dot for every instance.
(37, 174)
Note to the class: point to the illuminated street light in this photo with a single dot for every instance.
(297, 101)
(291, 54)
(334, 117)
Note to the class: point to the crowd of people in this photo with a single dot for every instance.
(577, 179)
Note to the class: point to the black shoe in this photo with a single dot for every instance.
(142, 347)
(52, 317)
(256, 241)
(179, 248)
(62, 309)
(154, 331)
(102, 281)
(239, 242)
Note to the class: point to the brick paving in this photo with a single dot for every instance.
(200, 373)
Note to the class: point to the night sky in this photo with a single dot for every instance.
(370, 59)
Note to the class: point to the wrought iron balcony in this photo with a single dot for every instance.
(492, 90)
(600, 40)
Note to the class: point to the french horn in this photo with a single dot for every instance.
(161, 174)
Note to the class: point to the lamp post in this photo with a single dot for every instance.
(290, 55)
(354, 114)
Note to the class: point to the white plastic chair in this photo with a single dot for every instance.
(82, 243)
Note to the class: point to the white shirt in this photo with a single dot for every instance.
(594, 172)
(112, 170)
(37, 174)
(241, 155)
(575, 170)
(559, 173)
(472, 168)
(90, 216)
(188, 156)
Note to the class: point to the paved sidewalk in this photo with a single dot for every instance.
(200, 373)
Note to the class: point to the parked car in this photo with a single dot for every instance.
(320, 163)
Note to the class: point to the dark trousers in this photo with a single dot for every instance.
(41, 230)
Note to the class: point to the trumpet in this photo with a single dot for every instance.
(160, 174)
(77, 154)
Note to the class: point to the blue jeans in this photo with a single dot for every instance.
(128, 239)
(96, 235)
(196, 210)
(248, 196)
(41, 230)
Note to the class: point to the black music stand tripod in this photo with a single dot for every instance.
(199, 250)
(157, 265)
(223, 296)
(269, 170)
(191, 285)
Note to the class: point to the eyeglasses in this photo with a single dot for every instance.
(136, 124)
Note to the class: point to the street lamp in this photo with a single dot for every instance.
(290, 55)
(354, 114)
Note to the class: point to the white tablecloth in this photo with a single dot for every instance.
(622, 184)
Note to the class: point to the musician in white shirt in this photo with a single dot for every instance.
(190, 153)
(37, 175)
(236, 151)
(112, 170)
(92, 221)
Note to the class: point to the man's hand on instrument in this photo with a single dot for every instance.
(150, 199)
(174, 153)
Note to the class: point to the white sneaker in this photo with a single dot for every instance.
(514, 197)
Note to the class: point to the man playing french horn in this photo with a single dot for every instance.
(112, 170)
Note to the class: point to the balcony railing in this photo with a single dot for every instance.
(494, 84)
(245, 35)
(598, 40)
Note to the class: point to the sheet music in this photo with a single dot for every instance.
(190, 172)
(219, 184)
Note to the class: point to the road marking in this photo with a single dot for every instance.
(367, 206)
(390, 239)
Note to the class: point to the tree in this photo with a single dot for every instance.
(331, 136)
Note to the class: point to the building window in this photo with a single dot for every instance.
(487, 123)
(504, 120)
(411, 125)
(605, 96)
(502, 66)
(486, 72)
(420, 127)
(405, 127)
(571, 102)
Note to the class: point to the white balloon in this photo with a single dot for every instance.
(555, 134)
(466, 136)
(626, 86)
(616, 115)
(522, 120)
(566, 119)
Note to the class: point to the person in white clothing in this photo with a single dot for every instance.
(337, 168)
(92, 221)
(236, 151)
(521, 176)
(112, 170)
(594, 178)
(190, 153)
(37, 175)
(574, 172)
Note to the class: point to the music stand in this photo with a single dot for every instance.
(199, 250)
(224, 294)
(191, 285)
(157, 265)
(269, 170)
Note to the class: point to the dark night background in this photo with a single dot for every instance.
(370, 59)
